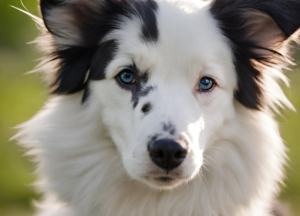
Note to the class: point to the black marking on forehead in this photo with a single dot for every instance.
(169, 127)
(146, 11)
(98, 22)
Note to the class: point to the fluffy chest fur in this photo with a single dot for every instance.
(161, 107)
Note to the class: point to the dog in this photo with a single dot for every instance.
(161, 107)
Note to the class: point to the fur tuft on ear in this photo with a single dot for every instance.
(258, 32)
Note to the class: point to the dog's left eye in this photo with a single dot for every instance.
(206, 84)
(127, 77)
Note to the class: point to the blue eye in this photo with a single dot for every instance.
(127, 77)
(206, 84)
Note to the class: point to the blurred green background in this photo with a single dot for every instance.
(21, 96)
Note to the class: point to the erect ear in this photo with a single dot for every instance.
(258, 31)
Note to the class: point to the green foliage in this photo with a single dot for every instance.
(23, 95)
(290, 130)
(20, 97)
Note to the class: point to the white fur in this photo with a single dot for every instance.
(92, 157)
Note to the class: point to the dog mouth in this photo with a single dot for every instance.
(164, 179)
(164, 182)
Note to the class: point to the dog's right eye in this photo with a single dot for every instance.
(127, 77)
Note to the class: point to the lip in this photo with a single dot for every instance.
(164, 182)
(164, 179)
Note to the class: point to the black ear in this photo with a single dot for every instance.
(258, 32)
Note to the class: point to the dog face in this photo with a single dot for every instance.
(162, 73)
(165, 99)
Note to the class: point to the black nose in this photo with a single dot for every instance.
(167, 153)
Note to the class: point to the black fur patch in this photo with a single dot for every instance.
(147, 108)
(101, 58)
(141, 90)
(147, 13)
(73, 59)
(230, 15)
(94, 22)
(48, 3)
(153, 138)
(86, 94)
(169, 127)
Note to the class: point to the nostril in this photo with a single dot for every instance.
(157, 154)
(181, 154)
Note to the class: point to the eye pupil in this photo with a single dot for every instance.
(206, 84)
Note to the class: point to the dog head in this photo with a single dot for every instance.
(167, 75)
